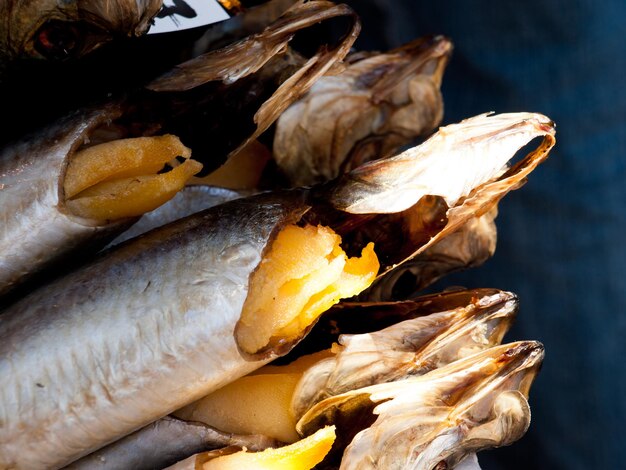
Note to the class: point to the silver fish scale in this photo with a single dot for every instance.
(137, 334)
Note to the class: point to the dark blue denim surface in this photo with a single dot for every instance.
(562, 237)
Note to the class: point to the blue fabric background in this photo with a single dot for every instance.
(562, 237)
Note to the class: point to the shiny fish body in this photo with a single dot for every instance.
(133, 336)
(35, 230)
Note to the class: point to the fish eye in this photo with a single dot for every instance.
(58, 40)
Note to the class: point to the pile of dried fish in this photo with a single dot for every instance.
(155, 258)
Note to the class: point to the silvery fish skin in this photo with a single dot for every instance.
(409, 348)
(190, 200)
(379, 103)
(55, 29)
(473, 404)
(133, 336)
(35, 229)
(164, 443)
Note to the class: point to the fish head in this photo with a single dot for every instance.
(376, 105)
(472, 404)
(408, 203)
(409, 348)
(64, 29)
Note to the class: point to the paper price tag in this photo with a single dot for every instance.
(176, 15)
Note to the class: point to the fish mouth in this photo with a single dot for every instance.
(507, 367)
(424, 194)
(409, 348)
(472, 404)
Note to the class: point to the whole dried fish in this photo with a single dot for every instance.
(161, 321)
(473, 404)
(379, 103)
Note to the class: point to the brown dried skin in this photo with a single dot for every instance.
(428, 192)
(24, 26)
(164, 443)
(247, 60)
(376, 105)
(470, 246)
(410, 348)
(249, 55)
(350, 317)
(472, 404)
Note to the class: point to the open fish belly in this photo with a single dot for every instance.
(135, 335)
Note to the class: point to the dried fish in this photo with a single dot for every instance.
(39, 226)
(164, 443)
(470, 246)
(152, 326)
(167, 318)
(428, 192)
(379, 103)
(249, 57)
(473, 404)
(272, 399)
(57, 30)
(409, 348)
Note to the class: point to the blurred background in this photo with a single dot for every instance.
(562, 238)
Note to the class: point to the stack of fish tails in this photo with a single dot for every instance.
(157, 350)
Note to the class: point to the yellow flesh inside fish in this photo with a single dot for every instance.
(122, 178)
(304, 273)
